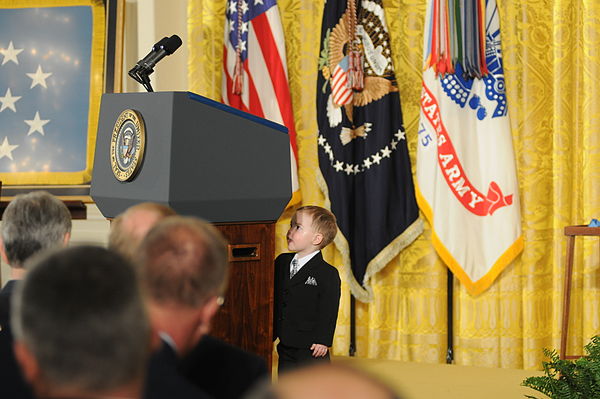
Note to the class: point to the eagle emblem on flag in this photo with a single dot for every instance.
(375, 41)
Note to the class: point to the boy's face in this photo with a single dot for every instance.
(301, 237)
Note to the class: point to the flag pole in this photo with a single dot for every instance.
(450, 329)
(352, 348)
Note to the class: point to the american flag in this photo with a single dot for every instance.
(254, 40)
(44, 91)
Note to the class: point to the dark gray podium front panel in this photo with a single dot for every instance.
(202, 158)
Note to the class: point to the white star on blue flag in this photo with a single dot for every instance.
(44, 88)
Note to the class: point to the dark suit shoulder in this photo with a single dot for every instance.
(215, 349)
(163, 380)
(327, 268)
(5, 294)
(13, 384)
(283, 257)
(222, 370)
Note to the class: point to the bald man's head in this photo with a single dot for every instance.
(326, 381)
(129, 228)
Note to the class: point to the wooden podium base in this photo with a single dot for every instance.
(246, 317)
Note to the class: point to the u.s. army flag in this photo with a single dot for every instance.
(467, 183)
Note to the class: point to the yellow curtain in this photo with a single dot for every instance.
(551, 61)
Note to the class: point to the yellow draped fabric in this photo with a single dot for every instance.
(552, 62)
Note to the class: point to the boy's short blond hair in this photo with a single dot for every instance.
(323, 222)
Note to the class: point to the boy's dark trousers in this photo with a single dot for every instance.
(292, 358)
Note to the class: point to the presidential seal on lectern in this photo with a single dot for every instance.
(127, 145)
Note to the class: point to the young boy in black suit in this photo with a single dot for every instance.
(307, 290)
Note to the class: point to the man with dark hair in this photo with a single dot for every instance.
(31, 223)
(80, 326)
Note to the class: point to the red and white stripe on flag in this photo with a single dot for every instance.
(265, 90)
(340, 90)
(466, 177)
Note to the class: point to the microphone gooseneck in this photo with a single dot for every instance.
(145, 67)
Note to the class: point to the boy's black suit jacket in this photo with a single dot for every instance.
(306, 313)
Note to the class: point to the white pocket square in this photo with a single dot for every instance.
(311, 281)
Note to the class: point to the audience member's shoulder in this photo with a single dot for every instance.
(222, 370)
(4, 312)
(12, 383)
(163, 380)
(211, 346)
(5, 294)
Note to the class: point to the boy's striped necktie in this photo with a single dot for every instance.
(294, 267)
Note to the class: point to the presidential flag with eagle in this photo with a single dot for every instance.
(363, 155)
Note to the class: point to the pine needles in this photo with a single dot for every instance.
(567, 379)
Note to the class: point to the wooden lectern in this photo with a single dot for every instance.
(209, 160)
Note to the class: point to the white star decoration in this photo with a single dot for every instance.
(244, 7)
(36, 124)
(10, 54)
(368, 162)
(257, 2)
(6, 149)
(39, 77)
(8, 101)
(232, 7)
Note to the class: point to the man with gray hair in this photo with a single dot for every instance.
(80, 325)
(31, 223)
